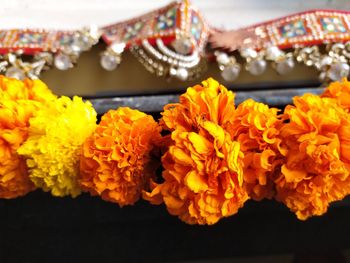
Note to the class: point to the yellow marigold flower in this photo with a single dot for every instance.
(116, 161)
(339, 91)
(19, 100)
(256, 127)
(52, 149)
(316, 144)
(203, 167)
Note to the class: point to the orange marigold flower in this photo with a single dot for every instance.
(316, 144)
(256, 127)
(210, 101)
(116, 161)
(339, 91)
(203, 167)
(19, 100)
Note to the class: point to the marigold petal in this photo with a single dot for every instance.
(201, 144)
(181, 156)
(293, 175)
(195, 182)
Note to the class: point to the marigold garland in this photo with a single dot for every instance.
(203, 168)
(339, 91)
(116, 161)
(215, 158)
(256, 127)
(315, 143)
(52, 149)
(19, 101)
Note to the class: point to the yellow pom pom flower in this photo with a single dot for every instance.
(52, 149)
(19, 100)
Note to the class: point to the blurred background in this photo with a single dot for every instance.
(69, 14)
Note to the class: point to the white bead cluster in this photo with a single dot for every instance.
(111, 58)
(150, 64)
(256, 62)
(228, 65)
(82, 41)
(178, 65)
(14, 67)
(333, 65)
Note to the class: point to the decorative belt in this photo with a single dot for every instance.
(175, 41)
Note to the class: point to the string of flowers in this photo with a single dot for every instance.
(214, 156)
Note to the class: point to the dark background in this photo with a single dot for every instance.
(42, 228)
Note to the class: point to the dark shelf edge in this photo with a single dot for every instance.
(155, 103)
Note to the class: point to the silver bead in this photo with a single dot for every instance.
(337, 47)
(11, 58)
(94, 32)
(109, 62)
(323, 76)
(326, 61)
(15, 73)
(172, 72)
(3, 65)
(256, 67)
(46, 56)
(62, 62)
(272, 53)
(80, 43)
(231, 72)
(285, 65)
(35, 68)
(307, 50)
(182, 45)
(182, 74)
(222, 58)
(248, 53)
(117, 47)
(338, 70)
